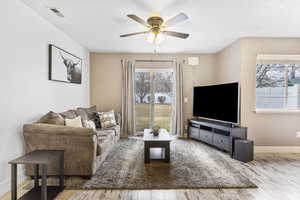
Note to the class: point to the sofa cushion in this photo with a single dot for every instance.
(76, 122)
(84, 117)
(70, 114)
(89, 112)
(115, 129)
(52, 118)
(103, 132)
(107, 119)
(86, 114)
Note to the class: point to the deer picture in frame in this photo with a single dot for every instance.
(64, 66)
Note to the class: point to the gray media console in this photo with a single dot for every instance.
(216, 134)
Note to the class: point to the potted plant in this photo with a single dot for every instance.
(155, 130)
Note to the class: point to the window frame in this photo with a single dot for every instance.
(156, 70)
(289, 60)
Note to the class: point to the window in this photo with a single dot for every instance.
(277, 82)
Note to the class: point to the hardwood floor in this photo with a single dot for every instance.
(276, 175)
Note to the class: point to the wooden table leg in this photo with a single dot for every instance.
(14, 181)
(146, 153)
(61, 177)
(36, 176)
(44, 182)
(167, 152)
(163, 152)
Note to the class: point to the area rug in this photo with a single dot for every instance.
(193, 165)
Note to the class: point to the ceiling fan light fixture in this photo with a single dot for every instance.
(155, 38)
(150, 37)
(157, 27)
(154, 14)
(159, 38)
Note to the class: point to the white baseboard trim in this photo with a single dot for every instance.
(277, 149)
(5, 184)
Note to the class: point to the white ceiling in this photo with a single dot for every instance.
(213, 24)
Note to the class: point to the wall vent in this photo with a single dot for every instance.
(57, 12)
(193, 61)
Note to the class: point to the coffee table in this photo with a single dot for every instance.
(161, 141)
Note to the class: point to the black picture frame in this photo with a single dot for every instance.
(71, 62)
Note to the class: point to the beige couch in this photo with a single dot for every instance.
(85, 148)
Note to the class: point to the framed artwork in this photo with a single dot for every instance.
(64, 66)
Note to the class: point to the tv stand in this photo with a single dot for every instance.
(217, 134)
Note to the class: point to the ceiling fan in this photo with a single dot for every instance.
(157, 27)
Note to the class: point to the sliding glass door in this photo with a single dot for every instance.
(153, 93)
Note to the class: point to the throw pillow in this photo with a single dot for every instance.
(76, 122)
(90, 124)
(97, 120)
(107, 119)
(52, 118)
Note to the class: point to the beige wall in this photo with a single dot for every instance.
(237, 62)
(229, 63)
(106, 77)
(266, 129)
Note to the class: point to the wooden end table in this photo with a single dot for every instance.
(39, 158)
(161, 141)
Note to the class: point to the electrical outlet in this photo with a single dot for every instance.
(298, 134)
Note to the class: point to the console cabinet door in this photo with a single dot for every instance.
(194, 133)
(206, 136)
(221, 142)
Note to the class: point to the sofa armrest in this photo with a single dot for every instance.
(118, 118)
(39, 128)
(80, 145)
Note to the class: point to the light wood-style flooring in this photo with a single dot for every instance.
(276, 175)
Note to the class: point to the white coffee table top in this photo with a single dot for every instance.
(164, 135)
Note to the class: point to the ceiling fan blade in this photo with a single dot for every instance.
(137, 33)
(139, 20)
(176, 19)
(176, 34)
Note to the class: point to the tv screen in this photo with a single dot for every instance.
(218, 102)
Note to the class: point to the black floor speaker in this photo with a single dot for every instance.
(243, 150)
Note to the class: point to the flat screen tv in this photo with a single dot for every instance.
(217, 102)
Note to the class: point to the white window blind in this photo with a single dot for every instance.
(277, 82)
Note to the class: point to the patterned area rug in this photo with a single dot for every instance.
(193, 165)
